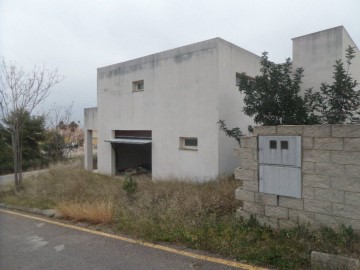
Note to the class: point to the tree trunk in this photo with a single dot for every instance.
(13, 140)
(17, 158)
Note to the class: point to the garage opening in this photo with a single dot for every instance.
(132, 151)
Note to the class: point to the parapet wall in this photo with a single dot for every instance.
(330, 184)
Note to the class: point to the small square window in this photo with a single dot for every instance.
(188, 143)
(284, 145)
(273, 144)
(138, 86)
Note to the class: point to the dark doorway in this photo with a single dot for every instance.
(133, 151)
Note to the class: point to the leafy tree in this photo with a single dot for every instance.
(33, 134)
(6, 162)
(338, 103)
(273, 97)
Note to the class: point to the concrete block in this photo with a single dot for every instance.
(248, 141)
(308, 192)
(346, 211)
(317, 131)
(268, 221)
(242, 174)
(327, 220)
(308, 167)
(355, 224)
(349, 131)
(244, 195)
(292, 203)
(324, 261)
(345, 157)
(352, 144)
(352, 170)
(276, 211)
(316, 155)
(315, 206)
(244, 152)
(346, 183)
(313, 180)
(49, 212)
(253, 208)
(240, 213)
(248, 164)
(307, 143)
(289, 130)
(329, 169)
(256, 154)
(352, 198)
(302, 217)
(286, 223)
(251, 185)
(329, 195)
(328, 143)
(265, 130)
(268, 199)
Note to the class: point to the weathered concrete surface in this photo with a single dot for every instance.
(323, 261)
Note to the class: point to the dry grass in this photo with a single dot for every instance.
(94, 212)
(192, 214)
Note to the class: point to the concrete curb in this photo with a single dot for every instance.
(47, 212)
(324, 261)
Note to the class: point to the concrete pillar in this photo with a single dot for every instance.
(88, 153)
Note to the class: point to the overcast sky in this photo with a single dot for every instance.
(78, 36)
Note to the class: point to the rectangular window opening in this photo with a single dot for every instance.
(251, 80)
(273, 144)
(188, 143)
(138, 86)
(284, 145)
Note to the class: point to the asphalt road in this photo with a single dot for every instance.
(32, 244)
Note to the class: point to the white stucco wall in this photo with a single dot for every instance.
(232, 60)
(179, 100)
(90, 127)
(355, 65)
(317, 53)
(90, 118)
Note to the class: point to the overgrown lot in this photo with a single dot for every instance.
(200, 216)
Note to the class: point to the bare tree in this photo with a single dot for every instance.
(57, 120)
(21, 92)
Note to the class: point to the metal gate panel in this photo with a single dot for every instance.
(285, 181)
(280, 165)
(280, 150)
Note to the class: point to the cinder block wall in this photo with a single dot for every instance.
(330, 178)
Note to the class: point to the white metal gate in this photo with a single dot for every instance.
(280, 165)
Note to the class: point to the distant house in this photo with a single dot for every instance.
(161, 111)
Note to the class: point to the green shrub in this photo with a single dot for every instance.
(129, 185)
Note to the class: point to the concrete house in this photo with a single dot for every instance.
(161, 111)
